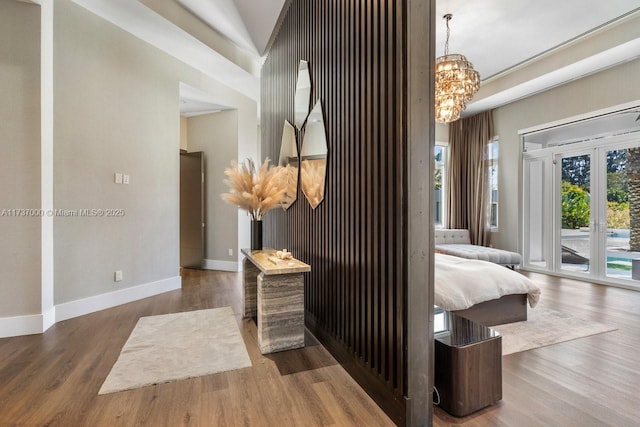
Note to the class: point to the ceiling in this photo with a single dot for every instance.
(499, 37)
(247, 23)
(194, 102)
(625, 121)
(496, 35)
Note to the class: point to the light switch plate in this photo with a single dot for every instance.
(118, 178)
(125, 179)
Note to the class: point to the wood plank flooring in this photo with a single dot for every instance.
(592, 381)
(53, 379)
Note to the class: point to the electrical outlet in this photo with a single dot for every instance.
(117, 276)
(118, 178)
(125, 179)
(230, 252)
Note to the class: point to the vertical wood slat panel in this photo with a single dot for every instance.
(354, 240)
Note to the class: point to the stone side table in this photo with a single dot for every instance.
(273, 290)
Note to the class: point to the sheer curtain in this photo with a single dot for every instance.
(467, 190)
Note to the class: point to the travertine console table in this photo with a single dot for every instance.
(274, 292)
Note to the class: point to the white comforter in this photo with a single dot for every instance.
(461, 283)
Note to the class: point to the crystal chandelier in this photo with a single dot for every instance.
(456, 83)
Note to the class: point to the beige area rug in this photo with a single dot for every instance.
(178, 346)
(545, 327)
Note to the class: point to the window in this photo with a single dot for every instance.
(439, 177)
(491, 166)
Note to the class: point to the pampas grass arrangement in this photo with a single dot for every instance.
(256, 191)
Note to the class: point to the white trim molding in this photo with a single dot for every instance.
(95, 303)
(21, 325)
(27, 325)
(48, 318)
(214, 264)
(39, 323)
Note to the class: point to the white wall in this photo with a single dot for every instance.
(183, 133)
(611, 87)
(116, 109)
(442, 132)
(217, 136)
(128, 121)
(20, 256)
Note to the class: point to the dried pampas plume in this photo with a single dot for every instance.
(256, 191)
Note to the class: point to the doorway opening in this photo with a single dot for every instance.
(208, 144)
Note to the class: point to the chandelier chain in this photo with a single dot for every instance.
(447, 18)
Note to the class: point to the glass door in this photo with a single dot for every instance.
(598, 204)
(621, 214)
(581, 198)
(576, 234)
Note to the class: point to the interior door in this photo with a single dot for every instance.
(192, 223)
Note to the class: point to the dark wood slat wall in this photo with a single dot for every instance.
(356, 239)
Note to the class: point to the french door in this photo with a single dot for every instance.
(578, 210)
(577, 220)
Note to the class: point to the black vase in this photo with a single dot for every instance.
(256, 235)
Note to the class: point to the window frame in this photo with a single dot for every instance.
(492, 164)
(442, 166)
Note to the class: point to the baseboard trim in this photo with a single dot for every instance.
(20, 325)
(39, 323)
(214, 264)
(95, 303)
(27, 325)
(49, 318)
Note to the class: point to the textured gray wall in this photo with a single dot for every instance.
(116, 110)
(122, 117)
(20, 158)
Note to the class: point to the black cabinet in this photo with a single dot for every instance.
(468, 364)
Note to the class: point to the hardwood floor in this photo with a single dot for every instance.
(591, 381)
(53, 379)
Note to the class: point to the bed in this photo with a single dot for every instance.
(457, 242)
(482, 291)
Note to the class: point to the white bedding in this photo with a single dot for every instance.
(461, 283)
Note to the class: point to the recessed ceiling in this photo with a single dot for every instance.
(247, 23)
(194, 102)
(622, 122)
(496, 35)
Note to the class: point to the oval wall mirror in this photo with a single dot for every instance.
(313, 157)
(289, 160)
(302, 96)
